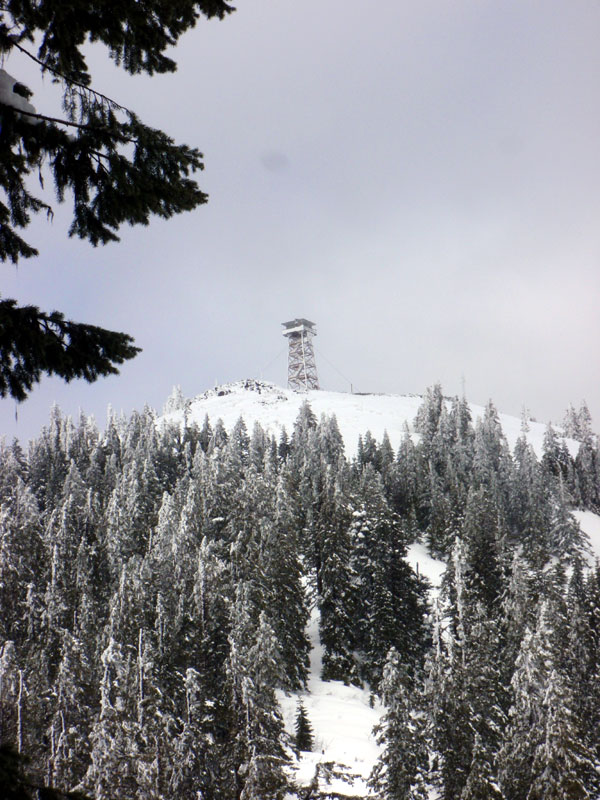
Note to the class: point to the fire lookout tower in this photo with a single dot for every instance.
(302, 369)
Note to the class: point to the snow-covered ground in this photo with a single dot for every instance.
(275, 408)
(590, 524)
(424, 564)
(343, 717)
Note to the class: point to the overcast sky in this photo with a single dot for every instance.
(420, 179)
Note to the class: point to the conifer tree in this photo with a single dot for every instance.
(338, 590)
(562, 766)
(48, 465)
(331, 443)
(195, 753)
(524, 732)
(428, 415)
(11, 697)
(305, 423)
(113, 748)
(401, 771)
(439, 533)
(283, 447)
(468, 698)
(284, 599)
(258, 757)
(449, 714)
(391, 597)
(70, 723)
(566, 540)
(529, 509)
(20, 553)
(404, 477)
(304, 740)
(491, 457)
(582, 658)
(482, 537)
(556, 460)
(368, 452)
(481, 783)
(386, 460)
(259, 444)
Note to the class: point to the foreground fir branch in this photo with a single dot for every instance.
(33, 343)
(115, 168)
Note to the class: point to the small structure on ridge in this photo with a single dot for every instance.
(302, 369)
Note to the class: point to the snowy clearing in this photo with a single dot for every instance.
(342, 719)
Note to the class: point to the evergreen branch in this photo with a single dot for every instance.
(33, 342)
(69, 123)
(71, 81)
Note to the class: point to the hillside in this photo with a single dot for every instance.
(343, 716)
(170, 587)
(275, 408)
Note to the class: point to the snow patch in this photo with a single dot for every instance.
(12, 98)
(590, 524)
(342, 718)
(423, 564)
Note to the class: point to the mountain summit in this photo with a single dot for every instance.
(276, 408)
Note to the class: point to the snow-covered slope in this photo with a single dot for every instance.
(342, 716)
(590, 524)
(276, 408)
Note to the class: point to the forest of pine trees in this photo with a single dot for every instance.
(156, 584)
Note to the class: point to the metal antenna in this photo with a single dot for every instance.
(302, 368)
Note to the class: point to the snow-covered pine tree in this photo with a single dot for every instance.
(337, 592)
(257, 757)
(404, 486)
(482, 535)
(401, 770)
(562, 766)
(113, 737)
(481, 782)
(330, 441)
(428, 415)
(525, 730)
(448, 713)
(566, 541)
(21, 552)
(285, 601)
(529, 509)
(491, 458)
(70, 721)
(392, 597)
(467, 695)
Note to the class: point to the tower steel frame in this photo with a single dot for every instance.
(302, 367)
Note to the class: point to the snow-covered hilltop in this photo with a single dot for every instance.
(276, 408)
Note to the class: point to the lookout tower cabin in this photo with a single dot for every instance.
(302, 369)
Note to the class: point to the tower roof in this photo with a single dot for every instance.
(298, 325)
